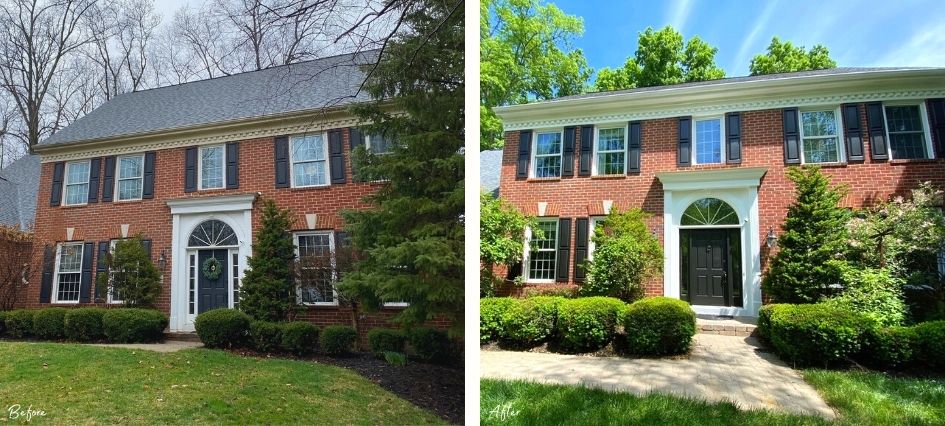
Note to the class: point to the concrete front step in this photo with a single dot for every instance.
(726, 326)
(181, 337)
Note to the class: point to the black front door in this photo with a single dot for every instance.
(708, 267)
(212, 293)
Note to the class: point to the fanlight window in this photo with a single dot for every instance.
(212, 233)
(710, 211)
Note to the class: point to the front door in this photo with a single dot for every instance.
(212, 281)
(708, 267)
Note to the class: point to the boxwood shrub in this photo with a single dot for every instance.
(659, 326)
(299, 337)
(764, 319)
(49, 323)
(3, 323)
(133, 325)
(889, 347)
(84, 324)
(386, 340)
(491, 310)
(816, 334)
(223, 328)
(430, 344)
(930, 344)
(265, 336)
(19, 323)
(530, 321)
(588, 323)
(338, 339)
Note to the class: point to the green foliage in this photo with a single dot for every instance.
(383, 340)
(430, 345)
(265, 336)
(764, 319)
(130, 274)
(659, 326)
(812, 236)
(626, 254)
(132, 325)
(3, 322)
(267, 291)
(889, 347)
(816, 334)
(49, 323)
(395, 358)
(491, 311)
(501, 237)
(785, 57)
(587, 324)
(84, 324)
(565, 291)
(222, 328)
(871, 292)
(19, 323)
(930, 349)
(299, 337)
(530, 321)
(337, 339)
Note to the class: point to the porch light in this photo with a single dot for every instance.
(162, 261)
(771, 239)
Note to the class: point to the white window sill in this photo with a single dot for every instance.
(320, 304)
(65, 302)
(396, 305)
(310, 186)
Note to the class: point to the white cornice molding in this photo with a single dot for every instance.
(741, 177)
(223, 203)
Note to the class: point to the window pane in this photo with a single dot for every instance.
(903, 118)
(129, 189)
(906, 135)
(310, 245)
(211, 164)
(708, 141)
(548, 143)
(70, 258)
(130, 167)
(548, 166)
(310, 173)
(610, 163)
(709, 211)
(820, 123)
(78, 173)
(908, 145)
(68, 287)
(77, 194)
(308, 148)
(541, 262)
(610, 139)
(379, 145)
(821, 150)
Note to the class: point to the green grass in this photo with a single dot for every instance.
(876, 398)
(78, 384)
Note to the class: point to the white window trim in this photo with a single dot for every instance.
(111, 250)
(331, 247)
(592, 223)
(533, 168)
(396, 304)
(66, 183)
(526, 259)
(324, 136)
(200, 167)
(694, 141)
(838, 122)
(594, 151)
(55, 289)
(927, 133)
(369, 148)
(141, 177)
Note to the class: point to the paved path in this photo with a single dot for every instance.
(719, 368)
(166, 347)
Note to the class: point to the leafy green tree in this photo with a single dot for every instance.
(130, 274)
(268, 290)
(813, 236)
(626, 254)
(786, 57)
(501, 238)
(411, 239)
(525, 55)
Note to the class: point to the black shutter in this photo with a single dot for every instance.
(567, 158)
(95, 169)
(937, 110)
(524, 153)
(733, 138)
(336, 156)
(55, 196)
(282, 162)
(580, 249)
(49, 263)
(877, 129)
(146, 243)
(147, 190)
(564, 250)
(232, 165)
(108, 179)
(587, 150)
(355, 140)
(792, 142)
(634, 146)
(103, 248)
(684, 152)
(85, 286)
(852, 134)
(190, 169)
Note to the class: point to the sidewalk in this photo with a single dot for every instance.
(166, 347)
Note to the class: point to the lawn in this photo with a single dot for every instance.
(78, 384)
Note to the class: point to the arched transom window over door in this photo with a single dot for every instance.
(212, 233)
(709, 212)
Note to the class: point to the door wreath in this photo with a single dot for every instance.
(211, 268)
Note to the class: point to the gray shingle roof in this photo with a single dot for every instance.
(19, 183)
(321, 83)
(490, 168)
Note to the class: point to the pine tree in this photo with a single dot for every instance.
(813, 235)
(268, 291)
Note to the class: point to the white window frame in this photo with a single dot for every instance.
(838, 122)
(694, 137)
(594, 151)
(334, 272)
(534, 153)
(118, 177)
(592, 224)
(111, 250)
(200, 167)
(66, 183)
(924, 115)
(324, 136)
(55, 289)
(526, 262)
(369, 148)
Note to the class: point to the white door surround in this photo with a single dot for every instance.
(187, 213)
(739, 188)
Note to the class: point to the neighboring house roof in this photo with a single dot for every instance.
(305, 86)
(19, 183)
(490, 167)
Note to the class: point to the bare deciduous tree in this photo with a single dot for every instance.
(15, 255)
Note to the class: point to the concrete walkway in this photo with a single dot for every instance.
(719, 368)
(167, 347)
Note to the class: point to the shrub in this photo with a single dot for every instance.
(265, 336)
(491, 310)
(587, 324)
(222, 328)
(430, 345)
(3, 322)
(659, 326)
(299, 337)
(567, 292)
(386, 340)
(889, 347)
(84, 324)
(19, 323)
(626, 255)
(764, 319)
(872, 292)
(395, 358)
(130, 273)
(501, 238)
(338, 339)
(49, 323)
(133, 325)
(930, 344)
(530, 321)
(816, 334)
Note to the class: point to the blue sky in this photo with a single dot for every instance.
(858, 33)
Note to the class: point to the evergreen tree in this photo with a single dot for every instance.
(268, 291)
(130, 274)
(814, 233)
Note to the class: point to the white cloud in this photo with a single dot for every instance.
(926, 48)
(749, 42)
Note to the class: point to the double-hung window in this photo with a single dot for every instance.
(316, 270)
(542, 252)
(212, 161)
(378, 144)
(708, 140)
(611, 147)
(77, 182)
(130, 177)
(820, 137)
(592, 227)
(113, 296)
(309, 158)
(547, 151)
(906, 127)
(68, 273)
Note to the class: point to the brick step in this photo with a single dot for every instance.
(725, 327)
(181, 337)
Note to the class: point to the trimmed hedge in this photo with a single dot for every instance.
(222, 328)
(587, 324)
(816, 334)
(930, 344)
(659, 326)
(265, 336)
(134, 325)
(20, 323)
(338, 339)
(49, 323)
(530, 321)
(299, 337)
(84, 324)
(386, 340)
(764, 319)
(3, 323)
(890, 347)
(491, 310)
(430, 344)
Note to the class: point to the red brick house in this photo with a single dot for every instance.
(708, 161)
(185, 166)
